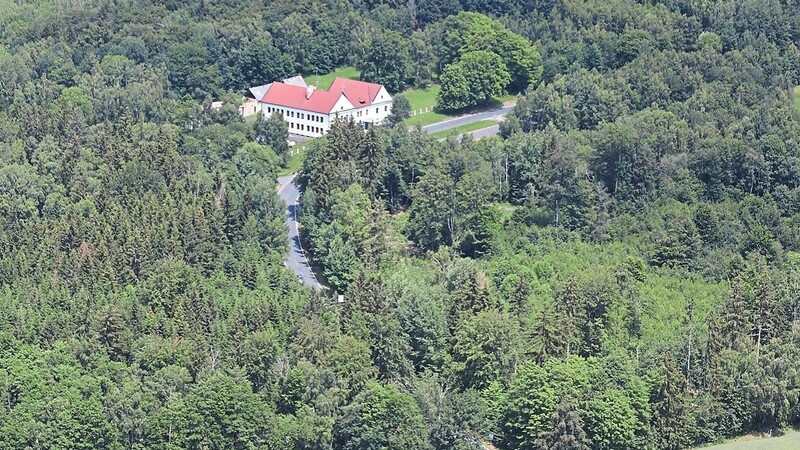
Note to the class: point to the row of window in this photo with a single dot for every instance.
(303, 127)
(317, 118)
(366, 111)
(297, 115)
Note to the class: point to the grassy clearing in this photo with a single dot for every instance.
(325, 81)
(797, 98)
(789, 441)
(294, 164)
(422, 98)
(464, 128)
(427, 119)
(433, 117)
(506, 210)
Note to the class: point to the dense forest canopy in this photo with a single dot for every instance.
(619, 269)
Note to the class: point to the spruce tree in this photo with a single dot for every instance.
(669, 418)
(567, 432)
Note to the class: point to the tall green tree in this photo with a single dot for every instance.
(475, 78)
(401, 109)
(272, 132)
(567, 432)
(381, 417)
(387, 61)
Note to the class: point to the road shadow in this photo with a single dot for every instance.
(293, 211)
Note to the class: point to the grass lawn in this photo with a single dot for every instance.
(427, 119)
(294, 163)
(433, 117)
(325, 81)
(789, 441)
(797, 97)
(464, 128)
(423, 98)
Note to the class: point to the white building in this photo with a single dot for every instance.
(309, 111)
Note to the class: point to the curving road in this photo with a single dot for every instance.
(495, 113)
(296, 260)
(490, 131)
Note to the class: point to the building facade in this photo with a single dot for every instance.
(310, 112)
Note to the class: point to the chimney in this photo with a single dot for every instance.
(309, 91)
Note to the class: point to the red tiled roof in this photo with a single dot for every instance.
(360, 93)
(291, 96)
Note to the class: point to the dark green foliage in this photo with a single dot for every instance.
(567, 432)
(262, 63)
(618, 270)
(401, 109)
(272, 132)
(387, 62)
(670, 409)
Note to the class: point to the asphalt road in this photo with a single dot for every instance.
(489, 131)
(452, 123)
(296, 260)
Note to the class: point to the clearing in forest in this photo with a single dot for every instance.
(324, 81)
(789, 441)
(797, 97)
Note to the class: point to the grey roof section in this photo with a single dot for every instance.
(296, 81)
(259, 91)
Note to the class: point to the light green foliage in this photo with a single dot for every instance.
(324, 81)
(220, 412)
(628, 244)
(422, 315)
(350, 361)
(611, 420)
(468, 32)
(475, 78)
(486, 347)
(708, 40)
(534, 395)
(350, 237)
(381, 417)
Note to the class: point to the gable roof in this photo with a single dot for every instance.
(296, 81)
(360, 93)
(259, 91)
(291, 96)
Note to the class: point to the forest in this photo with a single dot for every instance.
(618, 269)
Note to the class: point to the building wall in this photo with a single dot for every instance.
(249, 107)
(374, 114)
(300, 122)
(311, 124)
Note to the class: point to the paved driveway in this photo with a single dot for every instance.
(495, 113)
(296, 260)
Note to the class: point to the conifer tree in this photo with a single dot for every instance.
(567, 432)
(669, 418)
